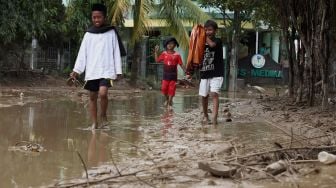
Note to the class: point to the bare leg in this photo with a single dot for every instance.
(205, 108)
(93, 108)
(103, 103)
(170, 101)
(166, 103)
(215, 107)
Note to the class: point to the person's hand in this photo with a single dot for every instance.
(156, 49)
(74, 75)
(188, 77)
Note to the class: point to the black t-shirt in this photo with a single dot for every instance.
(213, 63)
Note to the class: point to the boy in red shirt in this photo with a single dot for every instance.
(171, 59)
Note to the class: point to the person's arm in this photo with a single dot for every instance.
(156, 53)
(116, 56)
(81, 60)
(210, 42)
(180, 62)
(184, 69)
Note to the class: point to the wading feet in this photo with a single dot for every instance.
(104, 122)
(206, 120)
(94, 126)
(214, 121)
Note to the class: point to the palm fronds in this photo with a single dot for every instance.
(117, 10)
(179, 13)
(141, 9)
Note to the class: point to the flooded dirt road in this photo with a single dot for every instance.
(59, 123)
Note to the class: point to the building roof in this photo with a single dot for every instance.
(159, 23)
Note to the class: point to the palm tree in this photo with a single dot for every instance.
(174, 12)
(180, 12)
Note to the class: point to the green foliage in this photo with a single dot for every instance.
(23, 20)
(267, 12)
(116, 9)
(173, 12)
(78, 18)
(256, 11)
(67, 70)
(20, 21)
(176, 13)
(246, 8)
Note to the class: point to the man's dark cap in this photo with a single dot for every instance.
(99, 7)
(170, 39)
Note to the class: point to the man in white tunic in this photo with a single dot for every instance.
(100, 57)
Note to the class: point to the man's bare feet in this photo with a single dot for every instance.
(104, 122)
(214, 121)
(104, 125)
(94, 126)
(206, 120)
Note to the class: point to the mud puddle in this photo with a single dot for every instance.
(56, 125)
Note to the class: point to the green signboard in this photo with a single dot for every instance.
(260, 73)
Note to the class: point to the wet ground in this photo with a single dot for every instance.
(57, 124)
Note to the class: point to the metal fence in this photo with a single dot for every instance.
(48, 59)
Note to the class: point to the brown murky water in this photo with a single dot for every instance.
(58, 124)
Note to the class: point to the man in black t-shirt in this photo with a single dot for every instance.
(211, 71)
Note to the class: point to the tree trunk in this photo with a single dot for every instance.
(137, 51)
(234, 52)
(311, 79)
(290, 63)
(302, 62)
(322, 50)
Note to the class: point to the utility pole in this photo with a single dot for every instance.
(33, 47)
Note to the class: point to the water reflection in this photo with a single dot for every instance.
(55, 125)
(167, 121)
(97, 151)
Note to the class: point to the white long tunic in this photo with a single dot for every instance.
(99, 56)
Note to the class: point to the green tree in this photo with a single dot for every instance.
(310, 22)
(176, 14)
(20, 21)
(78, 18)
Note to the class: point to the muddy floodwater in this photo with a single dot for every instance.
(59, 125)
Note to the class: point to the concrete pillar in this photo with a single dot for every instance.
(144, 46)
(275, 45)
